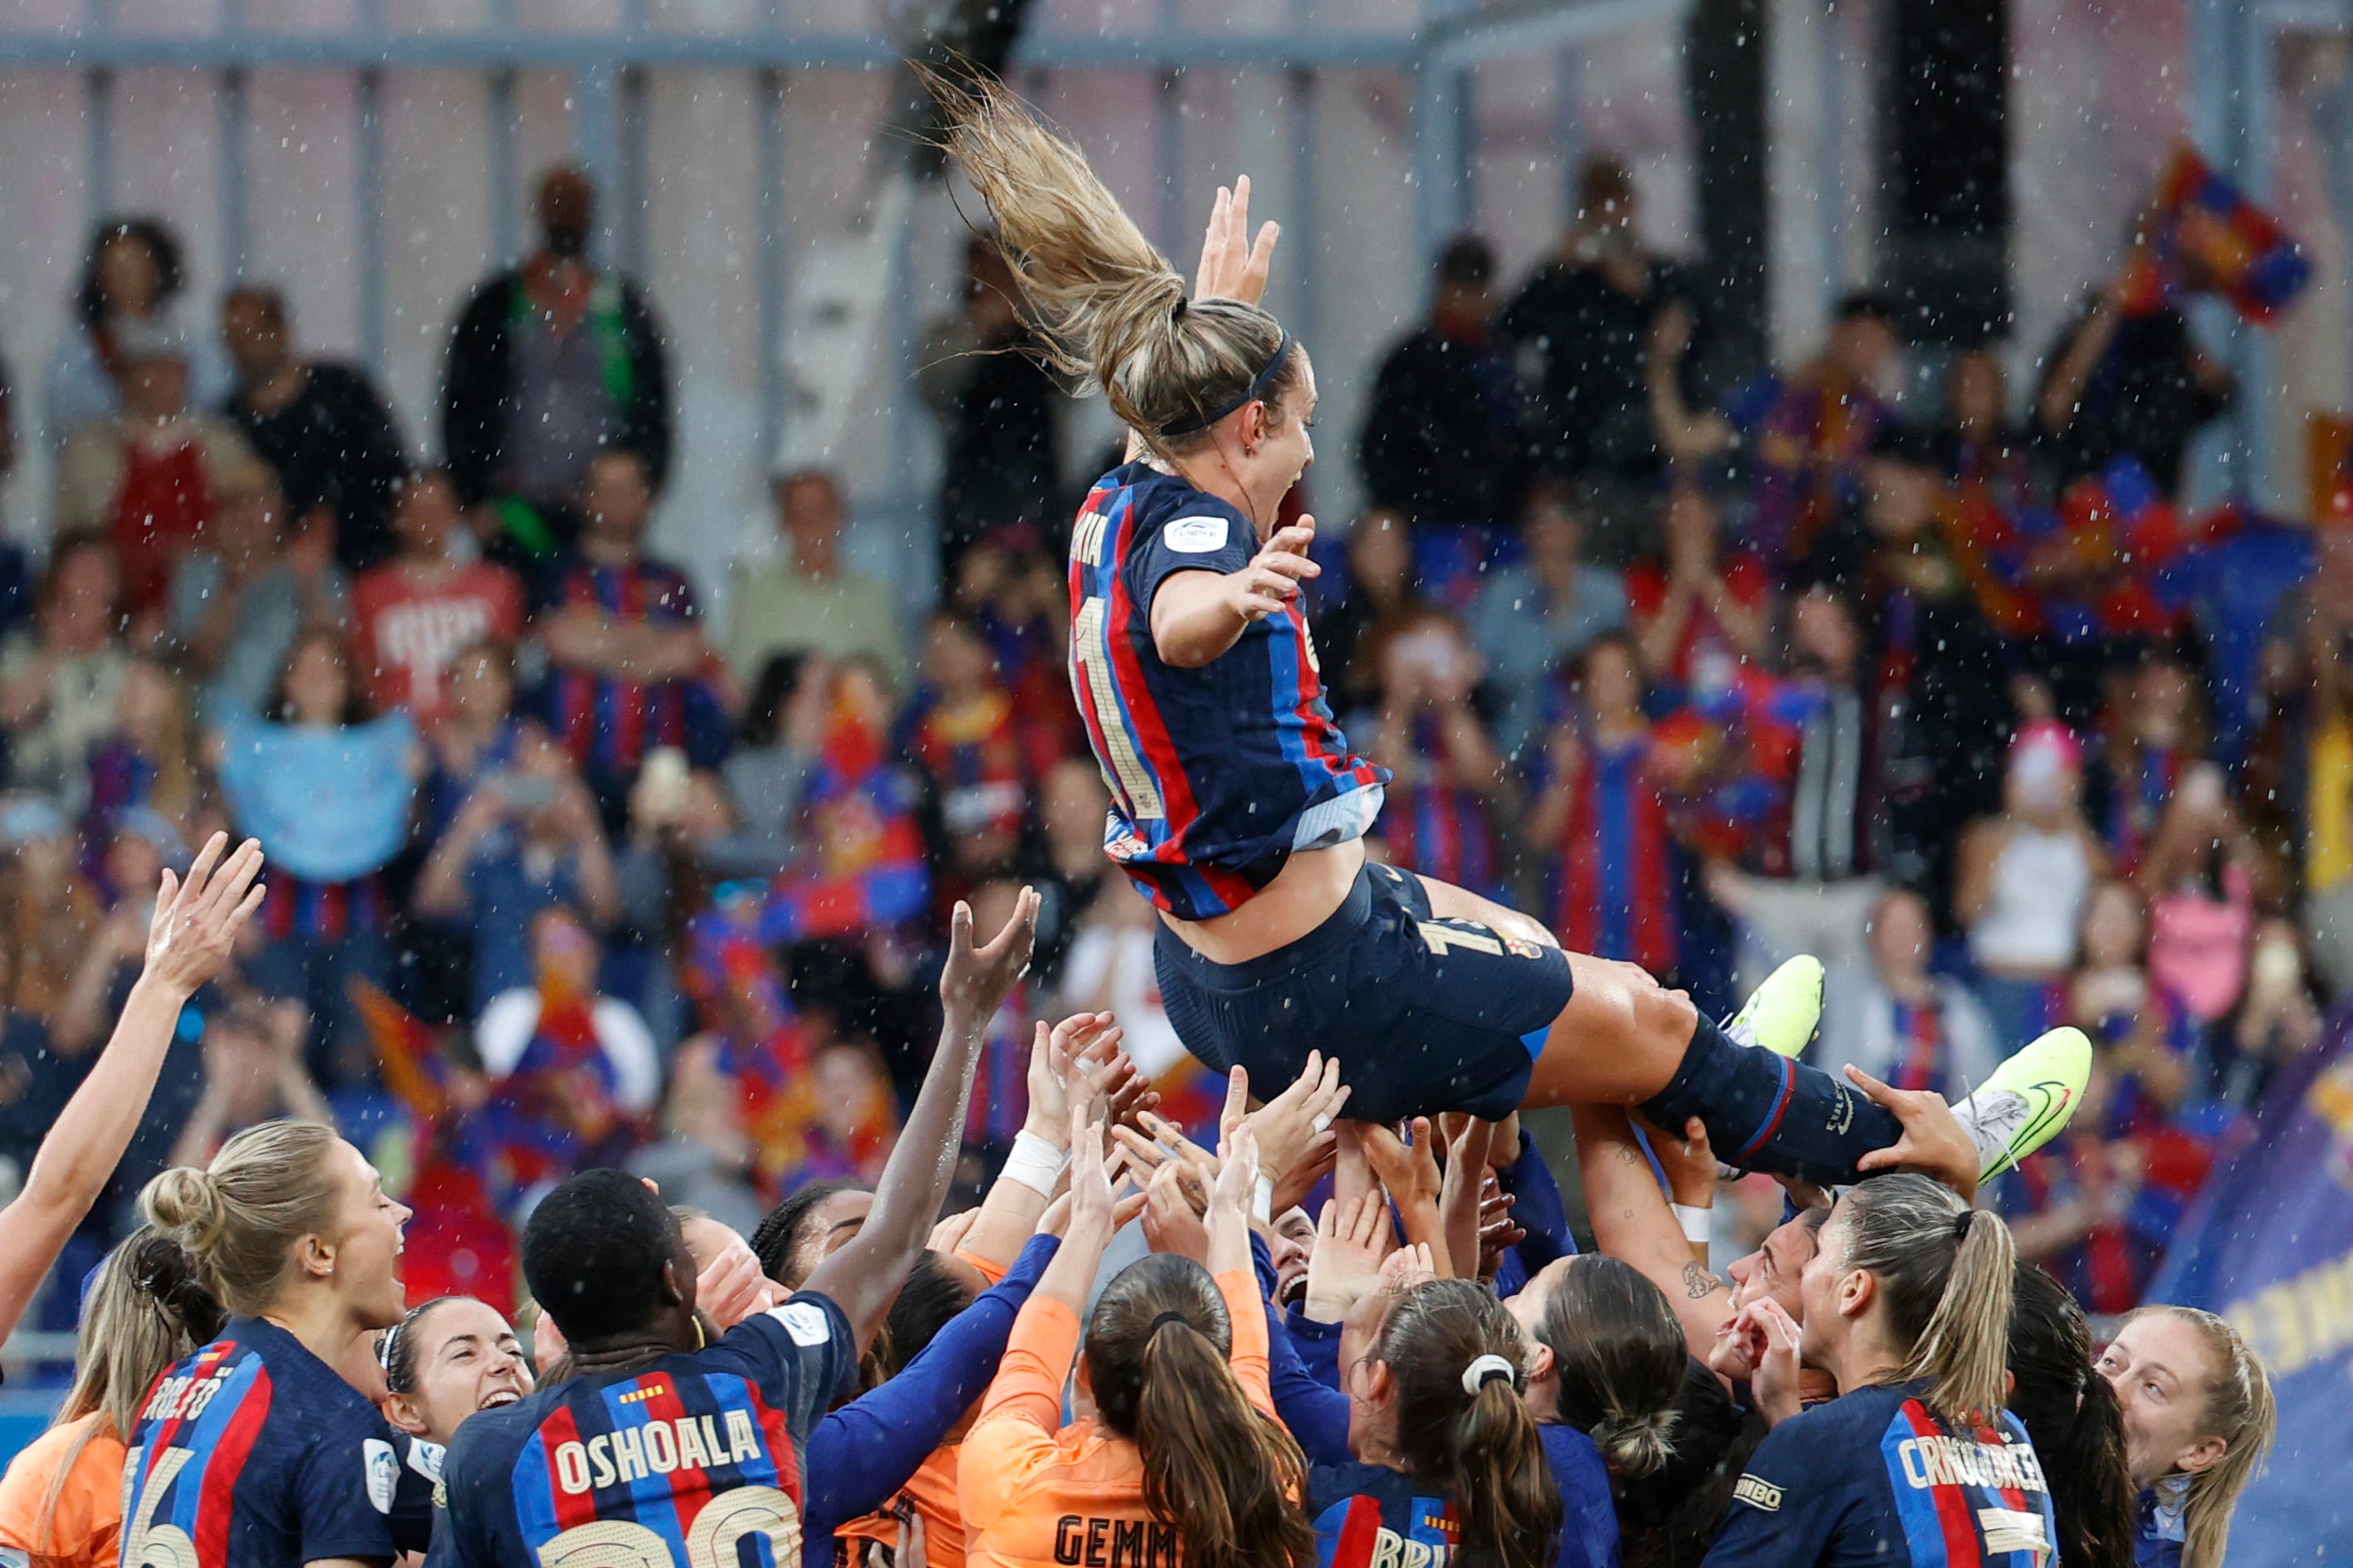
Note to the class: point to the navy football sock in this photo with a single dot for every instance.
(1765, 1113)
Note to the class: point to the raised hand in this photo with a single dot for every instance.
(1352, 1241)
(1934, 1142)
(195, 923)
(1173, 1206)
(1295, 1128)
(1271, 579)
(975, 982)
(1233, 266)
(1770, 1339)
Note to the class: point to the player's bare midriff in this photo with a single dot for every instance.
(1311, 885)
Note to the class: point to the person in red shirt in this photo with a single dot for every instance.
(1697, 603)
(415, 613)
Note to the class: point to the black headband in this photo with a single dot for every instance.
(1164, 1319)
(1260, 385)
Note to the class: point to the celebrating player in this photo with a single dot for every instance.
(1237, 805)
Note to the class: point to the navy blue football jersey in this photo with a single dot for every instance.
(1217, 774)
(1369, 1516)
(692, 1461)
(1875, 1480)
(253, 1453)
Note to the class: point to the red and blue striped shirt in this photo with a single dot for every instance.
(1217, 775)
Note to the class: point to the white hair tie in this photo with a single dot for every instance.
(1475, 1375)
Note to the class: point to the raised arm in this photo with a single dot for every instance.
(1196, 616)
(194, 925)
(863, 1276)
(1633, 1222)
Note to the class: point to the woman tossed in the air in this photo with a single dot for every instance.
(1237, 805)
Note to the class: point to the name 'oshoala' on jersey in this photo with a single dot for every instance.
(1217, 774)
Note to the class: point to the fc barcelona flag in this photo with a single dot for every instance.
(2269, 1245)
(2205, 234)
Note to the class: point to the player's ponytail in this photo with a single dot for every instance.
(1618, 1356)
(2072, 1416)
(1458, 1361)
(1946, 1271)
(240, 1218)
(1223, 1472)
(2239, 1410)
(146, 1310)
(1109, 307)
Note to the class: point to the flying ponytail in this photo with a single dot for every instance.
(1110, 310)
(1218, 1468)
(1946, 1271)
(1458, 1359)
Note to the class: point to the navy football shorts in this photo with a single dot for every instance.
(1425, 1015)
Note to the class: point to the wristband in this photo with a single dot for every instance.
(1035, 1164)
(1262, 1205)
(1695, 1221)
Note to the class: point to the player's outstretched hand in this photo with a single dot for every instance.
(1271, 579)
(974, 984)
(197, 920)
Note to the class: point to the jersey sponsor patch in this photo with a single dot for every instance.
(1195, 535)
(2013, 1529)
(426, 1459)
(1757, 1493)
(382, 1472)
(805, 1323)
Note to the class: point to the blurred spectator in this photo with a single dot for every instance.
(1900, 1022)
(803, 599)
(1804, 435)
(1110, 970)
(630, 669)
(1939, 674)
(152, 475)
(412, 615)
(1532, 619)
(1072, 809)
(61, 678)
(36, 1080)
(1694, 604)
(328, 795)
(527, 840)
(16, 567)
(1816, 862)
(239, 604)
(131, 276)
(1018, 600)
(1380, 595)
(147, 760)
(1978, 441)
(1446, 776)
(1600, 824)
(2204, 877)
(253, 1072)
(769, 772)
(1586, 321)
(2124, 385)
(572, 1072)
(1441, 441)
(52, 913)
(2276, 1021)
(2142, 1031)
(2023, 879)
(550, 364)
(997, 406)
(2302, 772)
(961, 734)
(854, 1121)
(2154, 732)
(324, 428)
(477, 737)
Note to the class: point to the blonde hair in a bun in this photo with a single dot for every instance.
(240, 1216)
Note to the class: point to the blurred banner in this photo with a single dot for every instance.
(2270, 1246)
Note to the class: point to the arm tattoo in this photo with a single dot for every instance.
(1698, 1283)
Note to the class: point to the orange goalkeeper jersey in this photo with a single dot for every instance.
(1038, 1494)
